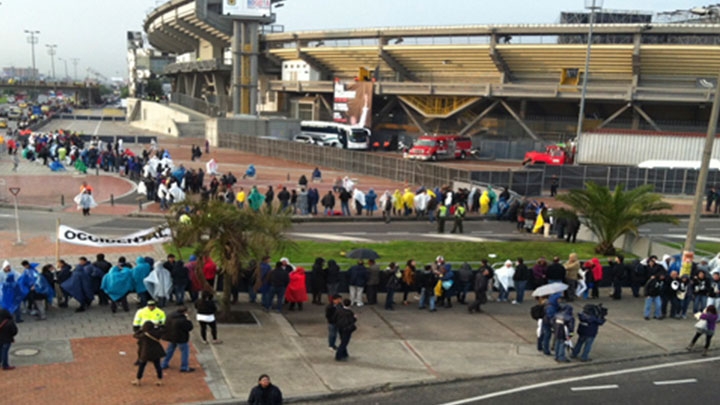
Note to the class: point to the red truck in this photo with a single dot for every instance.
(437, 147)
(555, 155)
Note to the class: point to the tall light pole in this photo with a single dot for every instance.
(32, 40)
(593, 6)
(689, 249)
(66, 69)
(51, 51)
(75, 63)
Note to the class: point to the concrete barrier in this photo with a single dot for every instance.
(155, 117)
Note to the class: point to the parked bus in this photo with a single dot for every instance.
(354, 138)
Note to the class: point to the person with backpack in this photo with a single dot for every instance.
(537, 313)
(591, 318)
(552, 306)
(345, 321)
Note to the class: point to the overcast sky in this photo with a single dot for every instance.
(94, 31)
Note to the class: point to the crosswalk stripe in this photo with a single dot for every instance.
(453, 236)
(331, 237)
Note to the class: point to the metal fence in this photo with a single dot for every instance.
(666, 181)
(389, 167)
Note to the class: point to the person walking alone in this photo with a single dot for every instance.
(8, 330)
(177, 332)
(206, 310)
(345, 321)
(150, 350)
(705, 326)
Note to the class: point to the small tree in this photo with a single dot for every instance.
(610, 215)
(229, 236)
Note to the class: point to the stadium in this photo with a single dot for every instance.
(490, 81)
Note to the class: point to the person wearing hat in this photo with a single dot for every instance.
(149, 313)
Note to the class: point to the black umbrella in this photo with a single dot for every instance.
(365, 254)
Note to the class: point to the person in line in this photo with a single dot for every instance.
(481, 285)
(619, 272)
(408, 280)
(373, 281)
(330, 317)
(318, 280)
(393, 275)
(332, 278)
(520, 278)
(117, 284)
(296, 292)
(572, 267)
(180, 278)
(345, 321)
(358, 276)
(707, 328)
(177, 333)
(265, 393)
(140, 272)
(653, 289)
(150, 350)
(279, 280)
(701, 287)
(8, 331)
(206, 310)
(427, 280)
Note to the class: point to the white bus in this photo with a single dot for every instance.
(325, 133)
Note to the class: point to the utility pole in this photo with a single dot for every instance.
(32, 40)
(689, 251)
(52, 52)
(593, 6)
(75, 63)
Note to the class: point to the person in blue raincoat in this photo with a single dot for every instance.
(79, 285)
(141, 270)
(117, 284)
(11, 296)
(370, 202)
(35, 288)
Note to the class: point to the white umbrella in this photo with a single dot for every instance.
(549, 289)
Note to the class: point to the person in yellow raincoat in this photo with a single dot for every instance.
(539, 221)
(408, 201)
(397, 202)
(484, 203)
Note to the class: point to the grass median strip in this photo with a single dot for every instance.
(305, 252)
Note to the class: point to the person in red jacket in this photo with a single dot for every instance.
(209, 270)
(296, 292)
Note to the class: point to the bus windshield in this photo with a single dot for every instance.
(358, 135)
(425, 142)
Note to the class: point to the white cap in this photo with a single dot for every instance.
(5, 264)
(439, 259)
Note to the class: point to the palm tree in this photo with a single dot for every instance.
(230, 236)
(612, 214)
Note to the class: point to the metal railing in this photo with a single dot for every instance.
(203, 106)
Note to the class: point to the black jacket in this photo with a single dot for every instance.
(328, 200)
(206, 307)
(522, 273)
(279, 277)
(555, 271)
(654, 287)
(178, 272)
(330, 312)
(177, 329)
(8, 330)
(332, 273)
(265, 396)
(103, 265)
(344, 319)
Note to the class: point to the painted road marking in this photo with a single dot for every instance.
(354, 233)
(596, 387)
(674, 382)
(712, 229)
(700, 238)
(332, 237)
(579, 378)
(453, 236)
(677, 230)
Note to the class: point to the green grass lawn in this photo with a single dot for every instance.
(305, 252)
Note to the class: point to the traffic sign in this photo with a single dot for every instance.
(14, 190)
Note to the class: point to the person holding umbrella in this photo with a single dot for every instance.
(358, 278)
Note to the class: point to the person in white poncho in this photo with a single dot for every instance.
(504, 276)
(359, 198)
(159, 284)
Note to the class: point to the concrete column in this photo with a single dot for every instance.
(236, 65)
(254, 42)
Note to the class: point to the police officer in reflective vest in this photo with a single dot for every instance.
(441, 217)
(459, 215)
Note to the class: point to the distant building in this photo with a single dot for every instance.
(143, 63)
(19, 73)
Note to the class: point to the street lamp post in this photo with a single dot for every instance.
(689, 248)
(75, 63)
(593, 6)
(32, 40)
(51, 51)
(66, 69)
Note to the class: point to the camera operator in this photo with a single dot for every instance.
(590, 320)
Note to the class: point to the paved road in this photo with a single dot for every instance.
(657, 381)
(475, 231)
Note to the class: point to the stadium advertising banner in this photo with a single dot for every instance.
(251, 8)
(352, 103)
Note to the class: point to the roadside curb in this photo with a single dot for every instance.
(432, 382)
